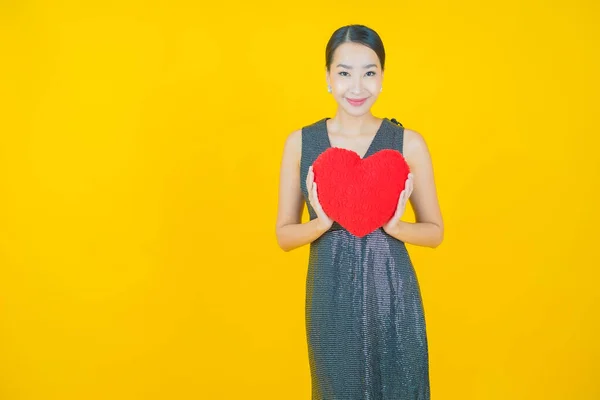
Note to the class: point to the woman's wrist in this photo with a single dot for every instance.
(396, 228)
(322, 226)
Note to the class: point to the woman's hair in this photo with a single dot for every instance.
(357, 34)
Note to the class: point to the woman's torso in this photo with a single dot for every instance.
(315, 140)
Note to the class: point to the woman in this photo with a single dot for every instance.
(365, 322)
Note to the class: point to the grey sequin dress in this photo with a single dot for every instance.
(365, 322)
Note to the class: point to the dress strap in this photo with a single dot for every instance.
(396, 122)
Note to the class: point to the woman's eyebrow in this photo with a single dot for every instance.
(350, 67)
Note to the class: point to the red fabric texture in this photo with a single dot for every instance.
(360, 194)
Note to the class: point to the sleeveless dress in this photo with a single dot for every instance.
(365, 322)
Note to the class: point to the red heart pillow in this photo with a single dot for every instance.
(360, 194)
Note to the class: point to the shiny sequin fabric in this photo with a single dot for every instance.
(365, 322)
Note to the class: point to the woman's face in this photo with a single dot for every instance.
(355, 77)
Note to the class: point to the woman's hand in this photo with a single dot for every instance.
(324, 221)
(401, 207)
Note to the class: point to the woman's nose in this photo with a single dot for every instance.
(356, 85)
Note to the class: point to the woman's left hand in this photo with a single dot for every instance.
(401, 207)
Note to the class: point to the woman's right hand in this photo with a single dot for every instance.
(324, 221)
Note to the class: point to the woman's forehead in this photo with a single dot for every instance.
(355, 55)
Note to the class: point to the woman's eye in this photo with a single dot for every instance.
(343, 73)
(372, 73)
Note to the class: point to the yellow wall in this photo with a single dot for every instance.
(139, 157)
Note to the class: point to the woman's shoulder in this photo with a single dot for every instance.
(414, 145)
(293, 145)
(411, 137)
(294, 138)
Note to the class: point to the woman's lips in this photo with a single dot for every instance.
(356, 102)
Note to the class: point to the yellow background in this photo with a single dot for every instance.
(139, 158)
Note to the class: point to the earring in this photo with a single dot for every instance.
(381, 90)
(329, 88)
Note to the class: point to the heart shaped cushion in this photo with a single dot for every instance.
(360, 194)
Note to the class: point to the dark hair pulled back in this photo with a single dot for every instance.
(357, 34)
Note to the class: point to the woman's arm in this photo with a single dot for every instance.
(428, 230)
(291, 232)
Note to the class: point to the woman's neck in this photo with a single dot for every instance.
(351, 125)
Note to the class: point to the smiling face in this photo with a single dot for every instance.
(355, 77)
